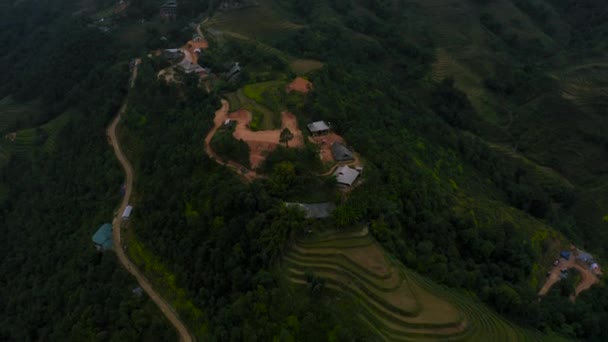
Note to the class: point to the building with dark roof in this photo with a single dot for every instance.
(169, 9)
(318, 128)
(103, 237)
(341, 153)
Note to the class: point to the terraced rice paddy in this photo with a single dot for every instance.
(397, 304)
(12, 112)
(45, 135)
(587, 87)
(260, 23)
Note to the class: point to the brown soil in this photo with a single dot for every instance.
(588, 278)
(144, 283)
(301, 85)
(263, 142)
(193, 45)
(324, 142)
(220, 116)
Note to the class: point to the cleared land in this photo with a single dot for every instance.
(588, 279)
(324, 142)
(396, 303)
(300, 85)
(262, 142)
(220, 117)
(304, 66)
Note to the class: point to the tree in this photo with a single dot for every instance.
(286, 135)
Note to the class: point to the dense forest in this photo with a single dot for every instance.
(439, 194)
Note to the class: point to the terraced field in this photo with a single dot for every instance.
(259, 23)
(12, 112)
(397, 304)
(587, 87)
(46, 135)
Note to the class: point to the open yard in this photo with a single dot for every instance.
(260, 142)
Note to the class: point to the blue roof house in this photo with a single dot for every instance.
(103, 238)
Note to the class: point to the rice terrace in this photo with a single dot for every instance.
(298, 170)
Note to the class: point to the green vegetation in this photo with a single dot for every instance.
(482, 124)
(395, 302)
(226, 145)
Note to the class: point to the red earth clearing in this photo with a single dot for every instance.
(263, 142)
(324, 142)
(196, 44)
(260, 142)
(301, 85)
(588, 278)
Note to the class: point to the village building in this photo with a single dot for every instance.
(188, 67)
(318, 128)
(341, 153)
(346, 176)
(103, 238)
(168, 10)
(234, 71)
(127, 213)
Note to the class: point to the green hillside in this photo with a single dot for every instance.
(396, 303)
(480, 127)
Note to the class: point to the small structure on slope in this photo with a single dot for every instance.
(341, 152)
(103, 238)
(168, 10)
(318, 128)
(346, 175)
(127, 213)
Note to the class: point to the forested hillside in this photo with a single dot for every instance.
(481, 125)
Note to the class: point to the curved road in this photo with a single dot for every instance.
(144, 283)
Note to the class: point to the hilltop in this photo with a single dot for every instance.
(471, 151)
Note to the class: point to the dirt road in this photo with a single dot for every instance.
(220, 116)
(587, 277)
(166, 309)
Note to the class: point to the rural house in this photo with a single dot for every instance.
(103, 237)
(168, 10)
(127, 213)
(341, 152)
(318, 128)
(346, 176)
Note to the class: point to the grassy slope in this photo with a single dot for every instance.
(396, 303)
(463, 51)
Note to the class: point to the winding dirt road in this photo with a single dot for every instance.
(144, 283)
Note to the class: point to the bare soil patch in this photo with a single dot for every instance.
(588, 278)
(260, 142)
(304, 66)
(300, 85)
(193, 45)
(263, 142)
(324, 142)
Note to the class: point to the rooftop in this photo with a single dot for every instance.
(103, 236)
(346, 175)
(318, 126)
(341, 152)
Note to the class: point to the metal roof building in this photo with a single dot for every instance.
(127, 212)
(318, 127)
(345, 175)
(341, 152)
(103, 237)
